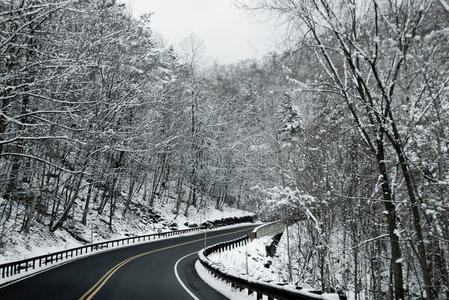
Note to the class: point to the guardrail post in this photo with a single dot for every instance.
(16, 267)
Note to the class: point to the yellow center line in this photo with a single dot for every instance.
(101, 282)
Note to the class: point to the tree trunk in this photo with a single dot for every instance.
(3, 123)
(72, 201)
(145, 188)
(112, 201)
(239, 197)
(441, 260)
(422, 253)
(104, 199)
(86, 206)
(179, 198)
(396, 253)
(132, 183)
(157, 179)
(30, 213)
(189, 200)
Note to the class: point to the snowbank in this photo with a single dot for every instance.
(251, 263)
(137, 221)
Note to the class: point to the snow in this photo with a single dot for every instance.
(400, 260)
(138, 220)
(430, 212)
(43, 268)
(209, 214)
(51, 249)
(221, 286)
(40, 240)
(249, 262)
(235, 260)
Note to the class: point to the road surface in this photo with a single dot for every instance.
(144, 271)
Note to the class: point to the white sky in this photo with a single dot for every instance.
(230, 34)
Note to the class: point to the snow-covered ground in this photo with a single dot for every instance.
(251, 262)
(137, 221)
(62, 262)
(221, 286)
(304, 259)
(252, 255)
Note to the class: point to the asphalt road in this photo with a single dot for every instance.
(144, 271)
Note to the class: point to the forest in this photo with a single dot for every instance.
(344, 136)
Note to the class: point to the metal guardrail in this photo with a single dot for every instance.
(15, 267)
(271, 290)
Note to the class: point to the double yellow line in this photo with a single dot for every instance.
(101, 282)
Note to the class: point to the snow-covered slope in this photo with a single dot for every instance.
(138, 220)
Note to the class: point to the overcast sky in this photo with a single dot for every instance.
(229, 33)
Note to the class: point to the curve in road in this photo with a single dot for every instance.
(144, 271)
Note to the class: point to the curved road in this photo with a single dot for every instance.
(144, 271)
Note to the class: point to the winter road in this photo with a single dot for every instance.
(144, 271)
